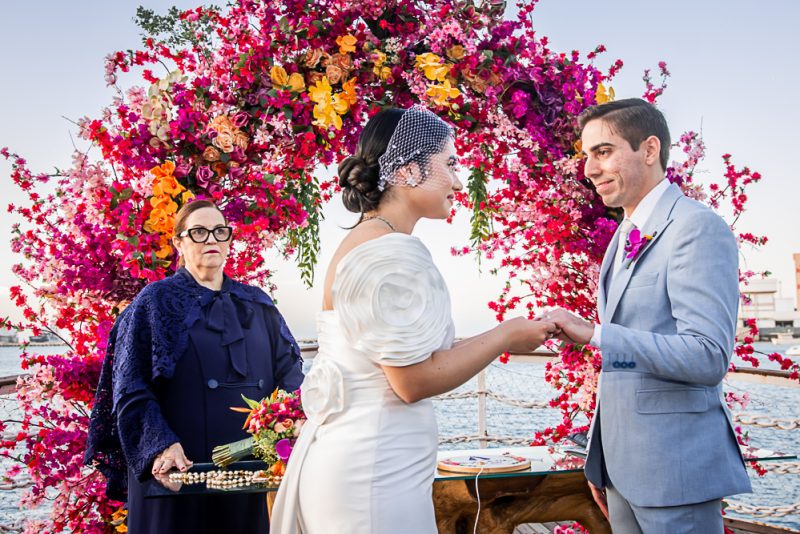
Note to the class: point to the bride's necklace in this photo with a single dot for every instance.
(378, 217)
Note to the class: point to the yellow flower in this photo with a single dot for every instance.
(442, 93)
(339, 104)
(326, 116)
(381, 71)
(279, 76)
(604, 95)
(296, 82)
(432, 66)
(186, 197)
(347, 43)
(320, 92)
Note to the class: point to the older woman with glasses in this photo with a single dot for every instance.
(185, 350)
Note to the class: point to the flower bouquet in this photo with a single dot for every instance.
(275, 423)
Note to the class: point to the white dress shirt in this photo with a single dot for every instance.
(639, 218)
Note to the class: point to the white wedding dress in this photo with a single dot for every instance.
(365, 460)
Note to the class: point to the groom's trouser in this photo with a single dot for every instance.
(627, 518)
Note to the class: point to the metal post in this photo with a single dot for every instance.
(482, 409)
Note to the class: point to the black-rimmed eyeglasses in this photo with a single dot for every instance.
(200, 234)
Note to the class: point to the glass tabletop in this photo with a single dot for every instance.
(548, 460)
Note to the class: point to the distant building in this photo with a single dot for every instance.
(773, 315)
(45, 337)
(9, 337)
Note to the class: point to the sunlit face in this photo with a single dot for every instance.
(620, 174)
(435, 193)
(209, 255)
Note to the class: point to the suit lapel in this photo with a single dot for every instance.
(655, 226)
(608, 261)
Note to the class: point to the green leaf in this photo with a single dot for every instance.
(481, 218)
(306, 240)
(251, 403)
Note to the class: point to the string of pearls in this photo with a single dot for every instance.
(225, 479)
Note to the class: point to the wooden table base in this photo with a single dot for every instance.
(509, 502)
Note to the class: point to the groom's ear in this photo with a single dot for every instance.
(652, 150)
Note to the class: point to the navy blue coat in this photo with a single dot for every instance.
(180, 356)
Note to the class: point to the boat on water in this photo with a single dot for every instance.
(794, 350)
(785, 338)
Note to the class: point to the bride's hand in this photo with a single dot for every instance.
(525, 335)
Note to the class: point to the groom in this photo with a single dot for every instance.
(662, 451)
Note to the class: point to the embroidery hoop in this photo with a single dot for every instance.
(484, 463)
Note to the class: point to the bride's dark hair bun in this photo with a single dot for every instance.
(359, 174)
(359, 182)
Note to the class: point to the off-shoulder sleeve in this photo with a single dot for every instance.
(392, 301)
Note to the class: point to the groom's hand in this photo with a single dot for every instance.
(599, 495)
(572, 328)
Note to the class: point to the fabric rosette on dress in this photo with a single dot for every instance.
(322, 391)
(396, 306)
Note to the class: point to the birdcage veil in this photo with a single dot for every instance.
(419, 135)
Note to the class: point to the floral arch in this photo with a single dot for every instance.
(241, 105)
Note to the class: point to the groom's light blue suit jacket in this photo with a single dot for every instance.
(662, 432)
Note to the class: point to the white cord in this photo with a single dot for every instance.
(477, 496)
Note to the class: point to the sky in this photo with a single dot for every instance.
(733, 68)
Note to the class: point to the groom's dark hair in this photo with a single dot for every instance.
(634, 120)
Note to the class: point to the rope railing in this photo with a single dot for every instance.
(765, 421)
(533, 405)
(763, 511)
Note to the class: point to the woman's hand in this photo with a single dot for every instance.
(525, 335)
(170, 457)
(165, 481)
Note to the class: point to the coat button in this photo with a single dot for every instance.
(632, 365)
(261, 384)
(212, 384)
(615, 365)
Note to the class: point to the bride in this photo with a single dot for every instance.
(365, 460)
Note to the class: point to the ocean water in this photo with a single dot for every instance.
(525, 381)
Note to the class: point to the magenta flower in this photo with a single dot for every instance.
(636, 242)
(283, 449)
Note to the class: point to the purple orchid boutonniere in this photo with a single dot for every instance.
(637, 242)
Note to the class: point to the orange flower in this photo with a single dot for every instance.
(455, 52)
(296, 82)
(278, 469)
(211, 154)
(312, 58)
(347, 44)
(167, 185)
(278, 76)
(349, 91)
(220, 168)
(221, 123)
(165, 169)
(338, 67)
(165, 247)
(160, 221)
